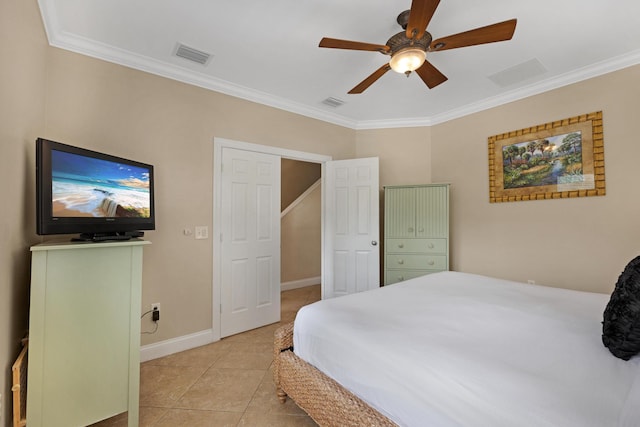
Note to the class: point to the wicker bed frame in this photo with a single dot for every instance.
(326, 401)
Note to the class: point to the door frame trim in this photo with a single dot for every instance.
(218, 145)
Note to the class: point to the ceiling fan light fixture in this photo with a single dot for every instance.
(407, 59)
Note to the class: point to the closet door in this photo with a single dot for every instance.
(250, 243)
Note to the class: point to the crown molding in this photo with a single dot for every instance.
(576, 76)
(125, 58)
(83, 46)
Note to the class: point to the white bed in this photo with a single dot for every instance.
(454, 349)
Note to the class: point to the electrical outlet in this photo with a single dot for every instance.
(155, 311)
(155, 306)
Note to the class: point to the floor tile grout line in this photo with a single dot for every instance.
(294, 301)
(253, 395)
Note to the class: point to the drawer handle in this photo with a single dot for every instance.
(400, 261)
(401, 245)
(431, 262)
(430, 245)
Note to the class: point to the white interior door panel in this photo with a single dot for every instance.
(352, 233)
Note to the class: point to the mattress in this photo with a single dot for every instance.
(454, 349)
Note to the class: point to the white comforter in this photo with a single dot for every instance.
(455, 349)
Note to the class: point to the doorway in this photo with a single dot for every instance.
(350, 255)
(219, 145)
(300, 224)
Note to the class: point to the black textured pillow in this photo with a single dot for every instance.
(621, 325)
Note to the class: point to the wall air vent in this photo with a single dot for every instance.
(192, 54)
(333, 102)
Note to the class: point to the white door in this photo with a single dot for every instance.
(351, 254)
(250, 242)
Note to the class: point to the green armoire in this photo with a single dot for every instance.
(416, 231)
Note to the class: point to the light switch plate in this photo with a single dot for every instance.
(202, 232)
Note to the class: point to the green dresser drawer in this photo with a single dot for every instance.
(395, 276)
(426, 246)
(417, 262)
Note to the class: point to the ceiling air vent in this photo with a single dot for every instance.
(333, 102)
(518, 73)
(192, 54)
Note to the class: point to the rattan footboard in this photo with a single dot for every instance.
(326, 401)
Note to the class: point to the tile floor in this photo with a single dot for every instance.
(227, 383)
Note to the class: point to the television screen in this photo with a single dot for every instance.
(86, 186)
(96, 194)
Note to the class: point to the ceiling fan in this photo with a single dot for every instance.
(408, 49)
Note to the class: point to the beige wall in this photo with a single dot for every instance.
(300, 256)
(171, 125)
(581, 243)
(22, 82)
(79, 100)
(405, 158)
(301, 240)
(297, 177)
(405, 153)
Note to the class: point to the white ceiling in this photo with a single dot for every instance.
(267, 51)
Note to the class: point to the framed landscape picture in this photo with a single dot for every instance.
(555, 160)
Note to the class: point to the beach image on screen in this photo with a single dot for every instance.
(89, 187)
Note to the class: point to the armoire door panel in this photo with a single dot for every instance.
(431, 212)
(400, 208)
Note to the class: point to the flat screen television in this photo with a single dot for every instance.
(99, 196)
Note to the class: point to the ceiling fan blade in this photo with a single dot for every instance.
(348, 44)
(421, 13)
(491, 33)
(362, 86)
(430, 75)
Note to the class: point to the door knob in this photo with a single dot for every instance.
(374, 243)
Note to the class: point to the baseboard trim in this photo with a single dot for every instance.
(197, 339)
(175, 345)
(295, 284)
